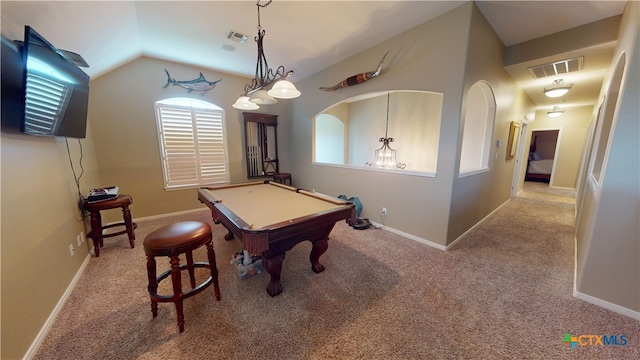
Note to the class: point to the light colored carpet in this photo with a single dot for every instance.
(504, 292)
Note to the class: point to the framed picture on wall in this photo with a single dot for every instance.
(514, 137)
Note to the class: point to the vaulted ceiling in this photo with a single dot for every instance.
(305, 36)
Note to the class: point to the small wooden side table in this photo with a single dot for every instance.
(283, 178)
(97, 230)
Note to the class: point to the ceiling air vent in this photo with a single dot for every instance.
(557, 68)
(237, 37)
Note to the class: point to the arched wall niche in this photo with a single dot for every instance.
(477, 129)
(348, 133)
(606, 124)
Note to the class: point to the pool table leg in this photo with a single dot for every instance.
(319, 248)
(274, 267)
(216, 220)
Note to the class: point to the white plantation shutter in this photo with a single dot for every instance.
(192, 141)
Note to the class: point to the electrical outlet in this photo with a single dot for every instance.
(79, 239)
(83, 237)
(71, 251)
(384, 211)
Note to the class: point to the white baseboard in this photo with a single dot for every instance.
(431, 243)
(409, 236)
(459, 238)
(563, 188)
(606, 305)
(56, 310)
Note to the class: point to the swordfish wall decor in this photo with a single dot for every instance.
(199, 84)
(357, 79)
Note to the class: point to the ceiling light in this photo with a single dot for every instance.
(557, 89)
(265, 76)
(284, 89)
(243, 103)
(262, 97)
(385, 157)
(555, 112)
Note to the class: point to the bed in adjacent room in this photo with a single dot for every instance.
(538, 169)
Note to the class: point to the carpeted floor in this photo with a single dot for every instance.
(503, 292)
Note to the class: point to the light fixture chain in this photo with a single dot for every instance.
(259, 6)
(261, 66)
(386, 129)
(265, 76)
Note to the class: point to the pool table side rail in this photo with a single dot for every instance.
(256, 241)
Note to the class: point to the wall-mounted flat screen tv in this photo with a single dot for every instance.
(56, 91)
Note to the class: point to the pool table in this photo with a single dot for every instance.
(271, 218)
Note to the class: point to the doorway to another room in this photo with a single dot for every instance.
(542, 152)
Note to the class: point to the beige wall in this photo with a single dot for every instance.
(40, 219)
(126, 138)
(36, 265)
(607, 237)
(573, 128)
(419, 206)
(477, 195)
(419, 59)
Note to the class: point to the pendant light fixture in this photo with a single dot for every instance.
(385, 156)
(256, 92)
(555, 112)
(558, 89)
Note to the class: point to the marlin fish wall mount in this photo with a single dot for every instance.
(199, 84)
(357, 79)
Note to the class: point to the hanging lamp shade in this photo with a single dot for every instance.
(262, 97)
(284, 89)
(243, 103)
(558, 89)
(385, 157)
(555, 112)
(265, 77)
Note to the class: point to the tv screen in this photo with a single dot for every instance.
(12, 75)
(56, 91)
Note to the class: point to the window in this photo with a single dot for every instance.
(478, 129)
(193, 146)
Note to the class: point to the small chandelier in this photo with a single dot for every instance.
(557, 89)
(385, 157)
(555, 112)
(255, 93)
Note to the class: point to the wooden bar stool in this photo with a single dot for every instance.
(283, 178)
(97, 230)
(173, 240)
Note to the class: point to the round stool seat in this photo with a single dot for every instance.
(178, 237)
(172, 241)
